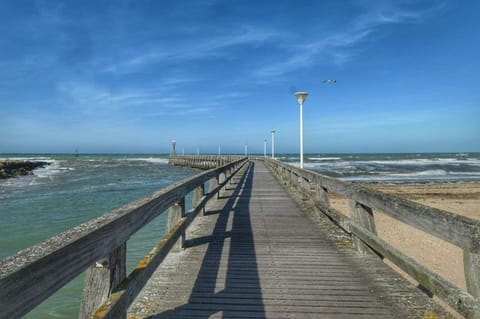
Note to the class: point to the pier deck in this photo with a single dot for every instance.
(255, 254)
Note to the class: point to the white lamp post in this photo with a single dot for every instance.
(265, 148)
(273, 144)
(246, 149)
(301, 97)
(174, 143)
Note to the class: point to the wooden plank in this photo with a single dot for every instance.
(101, 281)
(362, 216)
(253, 260)
(128, 290)
(338, 218)
(114, 306)
(198, 194)
(461, 231)
(461, 301)
(175, 214)
(33, 274)
(471, 263)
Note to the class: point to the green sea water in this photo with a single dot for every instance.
(73, 190)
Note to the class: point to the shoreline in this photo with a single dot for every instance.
(17, 168)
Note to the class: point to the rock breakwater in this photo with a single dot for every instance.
(15, 168)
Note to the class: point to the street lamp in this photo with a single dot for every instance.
(265, 148)
(174, 143)
(273, 144)
(246, 149)
(301, 97)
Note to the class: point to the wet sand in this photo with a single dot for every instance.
(441, 257)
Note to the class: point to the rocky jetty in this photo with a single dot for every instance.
(15, 168)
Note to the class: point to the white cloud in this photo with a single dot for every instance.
(90, 99)
(340, 47)
(190, 49)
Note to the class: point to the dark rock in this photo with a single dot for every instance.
(15, 168)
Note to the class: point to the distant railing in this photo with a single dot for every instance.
(35, 273)
(202, 161)
(458, 230)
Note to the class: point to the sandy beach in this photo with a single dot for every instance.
(461, 198)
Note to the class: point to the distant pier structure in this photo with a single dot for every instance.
(259, 241)
(202, 161)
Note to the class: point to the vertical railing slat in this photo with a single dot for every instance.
(363, 217)
(101, 280)
(175, 213)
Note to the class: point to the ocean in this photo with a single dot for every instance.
(72, 190)
(393, 168)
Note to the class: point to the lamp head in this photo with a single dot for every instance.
(301, 97)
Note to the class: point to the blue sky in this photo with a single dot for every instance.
(130, 76)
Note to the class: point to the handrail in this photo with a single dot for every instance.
(202, 161)
(461, 231)
(115, 306)
(35, 273)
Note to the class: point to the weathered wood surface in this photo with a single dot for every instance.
(114, 307)
(101, 281)
(363, 217)
(362, 227)
(256, 255)
(202, 161)
(459, 300)
(461, 231)
(34, 274)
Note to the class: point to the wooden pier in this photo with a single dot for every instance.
(261, 241)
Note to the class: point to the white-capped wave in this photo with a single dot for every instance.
(324, 158)
(53, 168)
(155, 160)
(423, 162)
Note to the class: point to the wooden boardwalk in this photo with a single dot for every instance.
(256, 255)
(269, 245)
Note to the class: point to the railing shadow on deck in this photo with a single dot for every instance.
(99, 245)
(204, 300)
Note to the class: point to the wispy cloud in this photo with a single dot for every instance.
(186, 49)
(339, 46)
(94, 99)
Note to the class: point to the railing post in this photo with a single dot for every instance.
(319, 194)
(101, 281)
(471, 264)
(291, 179)
(213, 184)
(198, 193)
(363, 217)
(232, 171)
(221, 179)
(175, 213)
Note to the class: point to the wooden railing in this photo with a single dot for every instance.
(458, 230)
(34, 274)
(202, 161)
